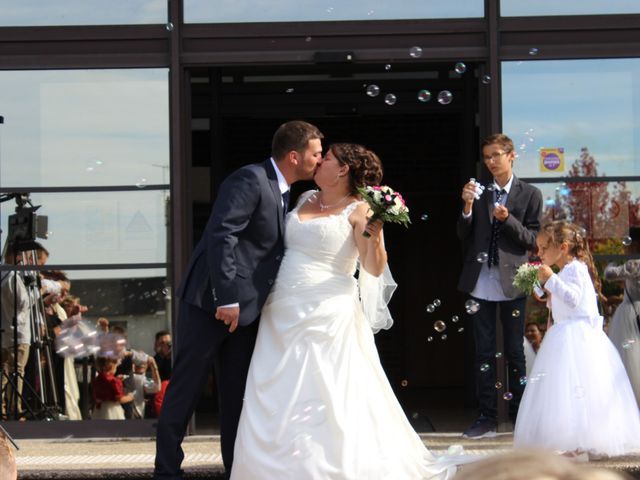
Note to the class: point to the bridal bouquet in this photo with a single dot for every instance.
(526, 278)
(386, 204)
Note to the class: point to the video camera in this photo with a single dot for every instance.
(25, 225)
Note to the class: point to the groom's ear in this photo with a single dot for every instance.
(293, 158)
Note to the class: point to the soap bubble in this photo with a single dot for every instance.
(424, 95)
(415, 52)
(439, 326)
(308, 413)
(471, 306)
(373, 90)
(390, 99)
(627, 240)
(460, 68)
(507, 396)
(482, 257)
(445, 97)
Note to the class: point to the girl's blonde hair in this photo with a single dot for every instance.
(561, 231)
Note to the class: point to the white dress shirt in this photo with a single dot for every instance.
(488, 286)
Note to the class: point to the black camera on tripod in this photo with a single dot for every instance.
(25, 225)
(28, 319)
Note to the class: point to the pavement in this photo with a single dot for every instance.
(115, 459)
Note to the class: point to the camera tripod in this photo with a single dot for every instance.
(43, 392)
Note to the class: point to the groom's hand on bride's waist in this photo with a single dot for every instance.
(229, 315)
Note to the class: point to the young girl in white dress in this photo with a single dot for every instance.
(578, 398)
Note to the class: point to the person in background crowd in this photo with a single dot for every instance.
(162, 347)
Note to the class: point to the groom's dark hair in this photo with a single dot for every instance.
(293, 135)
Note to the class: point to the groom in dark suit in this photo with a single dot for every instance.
(226, 283)
(497, 231)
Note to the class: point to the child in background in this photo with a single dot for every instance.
(578, 399)
(143, 385)
(108, 392)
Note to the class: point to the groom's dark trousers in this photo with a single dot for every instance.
(203, 342)
(235, 262)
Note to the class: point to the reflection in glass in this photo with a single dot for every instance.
(200, 11)
(97, 315)
(513, 8)
(28, 13)
(605, 211)
(102, 227)
(554, 109)
(84, 127)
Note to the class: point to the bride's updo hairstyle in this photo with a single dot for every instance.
(365, 167)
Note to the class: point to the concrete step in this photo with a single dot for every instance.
(132, 459)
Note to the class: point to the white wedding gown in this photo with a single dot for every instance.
(578, 396)
(317, 402)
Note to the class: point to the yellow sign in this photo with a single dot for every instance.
(552, 159)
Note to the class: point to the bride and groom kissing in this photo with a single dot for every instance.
(271, 301)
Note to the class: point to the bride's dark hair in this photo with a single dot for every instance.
(365, 168)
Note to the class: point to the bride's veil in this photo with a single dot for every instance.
(375, 294)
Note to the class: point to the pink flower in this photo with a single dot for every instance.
(377, 188)
(387, 198)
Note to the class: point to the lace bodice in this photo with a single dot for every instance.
(323, 240)
(573, 296)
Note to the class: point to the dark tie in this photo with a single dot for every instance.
(285, 203)
(495, 233)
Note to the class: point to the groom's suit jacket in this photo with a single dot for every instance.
(517, 235)
(239, 254)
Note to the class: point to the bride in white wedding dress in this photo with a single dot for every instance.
(317, 402)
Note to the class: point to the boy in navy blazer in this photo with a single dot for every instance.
(497, 230)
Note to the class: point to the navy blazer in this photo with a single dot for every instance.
(517, 235)
(239, 254)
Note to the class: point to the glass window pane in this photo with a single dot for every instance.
(559, 111)
(607, 210)
(200, 11)
(99, 228)
(81, 12)
(84, 127)
(136, 302)
(517, 8)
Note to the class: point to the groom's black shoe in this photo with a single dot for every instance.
(483, 427)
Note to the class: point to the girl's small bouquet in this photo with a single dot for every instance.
(526, 279)
(386, 204)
